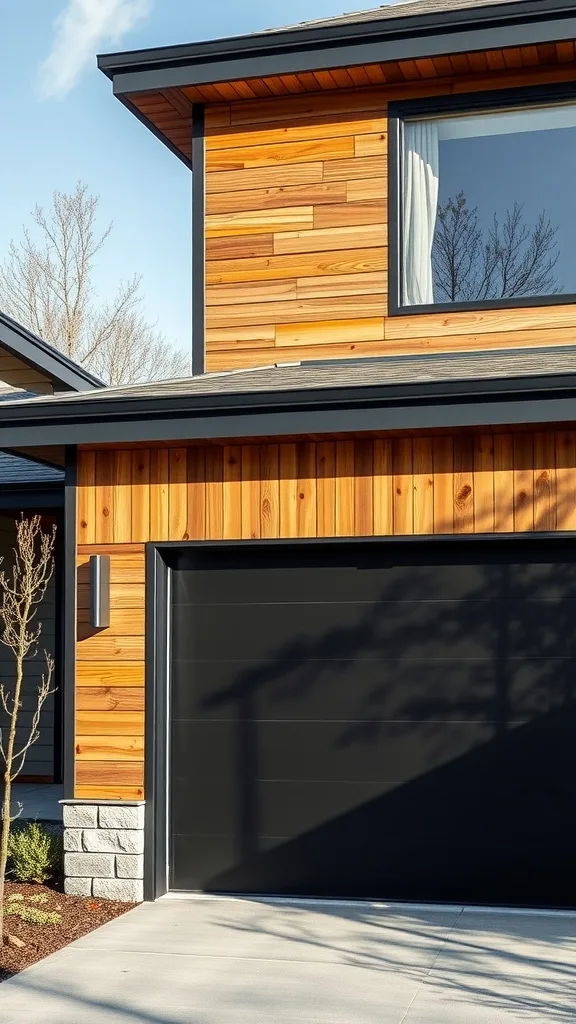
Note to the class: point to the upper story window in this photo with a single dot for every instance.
(486, 206)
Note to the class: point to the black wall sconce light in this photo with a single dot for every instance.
(100, 591)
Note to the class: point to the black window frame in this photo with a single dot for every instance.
(462, 103)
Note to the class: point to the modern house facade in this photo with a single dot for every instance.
(339, 660)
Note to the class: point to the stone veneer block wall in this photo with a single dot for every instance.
(104, 850)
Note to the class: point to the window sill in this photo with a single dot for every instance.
(479, 307)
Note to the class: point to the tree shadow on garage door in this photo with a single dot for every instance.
(474, 750)
(484, 828)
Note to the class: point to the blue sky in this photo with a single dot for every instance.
(61, 124)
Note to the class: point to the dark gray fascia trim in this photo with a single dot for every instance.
(348, 414)
(198, 241)
(33, 497)
(60, 370)
(134, 406)
(372, 43)
(300, 37)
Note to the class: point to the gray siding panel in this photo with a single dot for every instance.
(40, 757)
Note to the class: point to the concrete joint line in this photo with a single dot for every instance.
(443, 943)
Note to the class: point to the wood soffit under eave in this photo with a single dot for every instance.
(168, 112)
(520, 428)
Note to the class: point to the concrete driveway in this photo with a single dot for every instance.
(210, 961)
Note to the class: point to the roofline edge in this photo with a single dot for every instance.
(212, 52)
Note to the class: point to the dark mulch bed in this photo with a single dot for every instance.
(80, 915)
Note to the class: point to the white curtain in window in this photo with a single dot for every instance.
(420, 202)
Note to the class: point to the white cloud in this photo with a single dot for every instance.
(80, 30)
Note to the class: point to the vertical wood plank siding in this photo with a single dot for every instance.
(485, 483)
(296, 238)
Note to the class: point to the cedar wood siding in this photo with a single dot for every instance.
(296, 234)
(481, 483)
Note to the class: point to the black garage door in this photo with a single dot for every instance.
(389, 720)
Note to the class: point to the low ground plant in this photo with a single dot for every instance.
(35, 854)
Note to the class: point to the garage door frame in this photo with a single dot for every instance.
(159, 565)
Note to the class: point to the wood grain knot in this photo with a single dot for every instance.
(267, 508)
(464, 493)
(105, 511)
(301, 495)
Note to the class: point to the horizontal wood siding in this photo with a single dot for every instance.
(110, 662)
(467, 484)
(296, 229)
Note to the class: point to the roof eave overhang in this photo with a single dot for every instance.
(430, 406)
(294, 51)
(19, 497)
(61, 372)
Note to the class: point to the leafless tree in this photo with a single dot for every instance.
(508, 259)
(21, 593)
(46, 283)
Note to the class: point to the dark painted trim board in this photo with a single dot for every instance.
(56, 367)
(198, 241)
(349, 409)
(157, 668)
(68, 665)
(333, 46)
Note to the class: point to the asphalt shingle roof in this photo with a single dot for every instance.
(390, 11)
(15, 472)
(384, 371)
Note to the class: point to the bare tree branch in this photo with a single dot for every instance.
(21, 594)
(46, 283)
(511, 259)
(44, 691)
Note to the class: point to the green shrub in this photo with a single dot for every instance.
(35, 855)
(31, 915)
